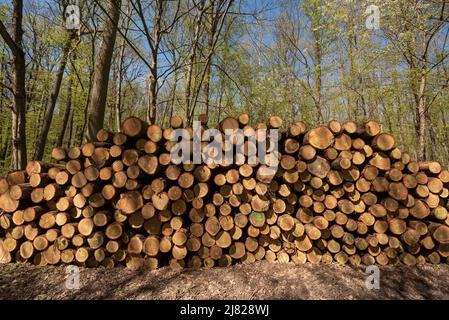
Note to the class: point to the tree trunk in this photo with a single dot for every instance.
(52, 101)
(82, 128)
(70, 130)
(206, 90)
(101, 76)
(19, 108)
(192, 57)
(65, 119)
(318, 76)
(152, 92)
(171, 103)
(210, 43)
(445, 132)
(4, 137)
(118, 97)
(19, 156)
(152, 86)
(40, 115)
(421, 112)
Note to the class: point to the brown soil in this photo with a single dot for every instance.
(261, 280)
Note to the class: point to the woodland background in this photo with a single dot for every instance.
(310, 60)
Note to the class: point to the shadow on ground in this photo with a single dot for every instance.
(261, 280)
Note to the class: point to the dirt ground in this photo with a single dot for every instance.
(261, 280)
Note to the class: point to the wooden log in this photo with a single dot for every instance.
(130, 202)
(319, 167)
(7, 203)
(384, 142)
(371, 128)
(320, 138)
(16, 177)
(59, 153)
(134, 127)
(35, 166)
(20, 191)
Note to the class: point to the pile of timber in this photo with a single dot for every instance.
(342, 193)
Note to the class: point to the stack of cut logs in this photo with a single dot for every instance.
(342, 193)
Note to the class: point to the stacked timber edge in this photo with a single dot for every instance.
(342, 193)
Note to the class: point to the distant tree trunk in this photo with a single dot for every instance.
(80, 131)
(152, 93)
(217, 17)
(206, 91)
(445, 131)
(70, 130)
(118, 97)
(99, 91)
(191, 61)
(210, 44)
(4, 137)
(171, 102)
(40, 114)
(52, 101)
(121, 61)
(219, 105)
(318, 57)
(65, 119)
(152, 86)
(421, 114)
(19, 152)
(433, 145)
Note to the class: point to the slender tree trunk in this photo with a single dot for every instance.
(152, 94)
(220, 100)
(206, 91)
(432, 134)
(118, 90)
(191, 62)
(79, 133)
(152, 85)
(65, 119)
(210, 44)
(3, 129)
(7, 148)
(70, 130)
(171, 103)
(40, 115)
(317, 63)
(445, 127)
(49, 110)
(121, 61)
(18, 127)
(101, 77)
(421, 113)
(18, 116)
(205, 72)
(318, 77)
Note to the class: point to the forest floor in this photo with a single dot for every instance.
(261, 280)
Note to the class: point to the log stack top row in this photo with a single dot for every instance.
(341, 193)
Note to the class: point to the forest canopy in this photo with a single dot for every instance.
(63, 76)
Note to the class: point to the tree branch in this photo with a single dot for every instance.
(16, 50)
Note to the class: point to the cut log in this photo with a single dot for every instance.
(319, 138)
(134, 127)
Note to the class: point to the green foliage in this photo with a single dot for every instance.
(293, 59)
